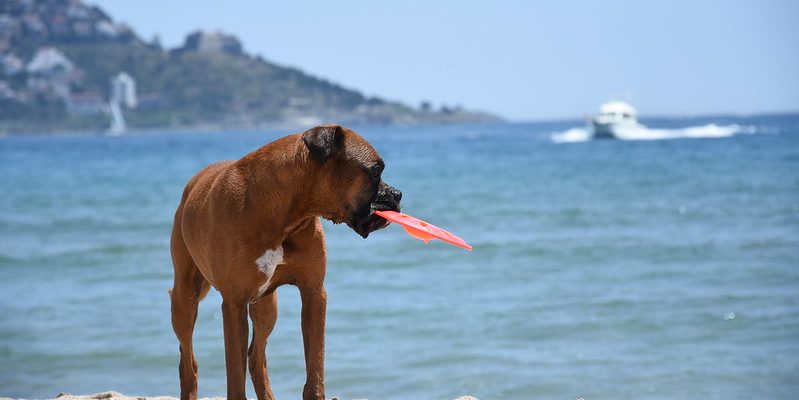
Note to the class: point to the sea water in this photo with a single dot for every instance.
(609, 269)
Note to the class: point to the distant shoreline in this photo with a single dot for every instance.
(214, 128)
(293, 126)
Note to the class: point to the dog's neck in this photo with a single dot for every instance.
(279, 174)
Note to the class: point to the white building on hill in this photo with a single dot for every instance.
(49, 60)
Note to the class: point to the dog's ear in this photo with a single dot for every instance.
(323, 141)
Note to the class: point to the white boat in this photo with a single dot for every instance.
(118, 125)
(613, 119)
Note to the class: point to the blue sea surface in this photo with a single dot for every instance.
(649, 269)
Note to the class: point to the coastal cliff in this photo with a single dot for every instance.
(58, 57)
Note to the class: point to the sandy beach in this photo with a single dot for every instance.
(119, 396)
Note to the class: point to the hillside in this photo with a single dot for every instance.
(57, 59)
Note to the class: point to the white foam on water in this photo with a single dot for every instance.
(574, 135)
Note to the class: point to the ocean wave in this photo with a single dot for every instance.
(575, 135)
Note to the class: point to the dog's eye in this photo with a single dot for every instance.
(375, 170)
(374, 175)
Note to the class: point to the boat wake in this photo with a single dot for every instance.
(575, 135)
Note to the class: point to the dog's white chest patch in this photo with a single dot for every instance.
(267, 264)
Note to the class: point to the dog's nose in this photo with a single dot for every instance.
(395, 193)
(389, 196)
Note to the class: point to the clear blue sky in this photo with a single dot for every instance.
(524, 60)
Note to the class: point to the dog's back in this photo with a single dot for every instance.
(193, 207)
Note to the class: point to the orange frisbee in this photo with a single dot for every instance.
(422, 230)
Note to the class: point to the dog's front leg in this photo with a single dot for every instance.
(314, 308)
(234, 318)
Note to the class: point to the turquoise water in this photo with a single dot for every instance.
(655, 269)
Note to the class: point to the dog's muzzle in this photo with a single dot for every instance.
(388, 198)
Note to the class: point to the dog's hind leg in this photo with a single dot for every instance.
(263, 314)
(189, 288)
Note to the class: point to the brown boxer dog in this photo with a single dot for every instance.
(247, 227)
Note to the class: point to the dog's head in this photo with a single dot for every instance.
(350, 184)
